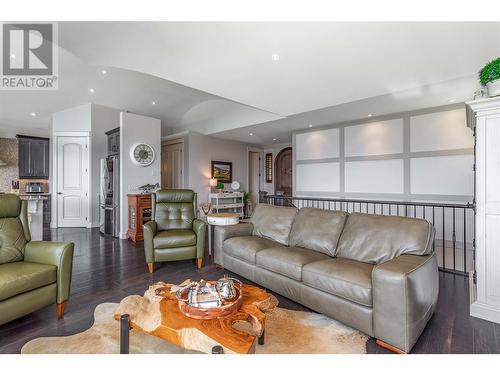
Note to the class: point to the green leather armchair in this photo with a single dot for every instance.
(174, 233)
(33, 274)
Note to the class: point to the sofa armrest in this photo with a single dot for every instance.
(405, 292)
(149, 230)
(59, 254)
(200, 228)
(222, 233)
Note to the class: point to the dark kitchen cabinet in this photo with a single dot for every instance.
(33, 157)
(113, 141)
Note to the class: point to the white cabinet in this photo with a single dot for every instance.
(487, 123)
(227, 202)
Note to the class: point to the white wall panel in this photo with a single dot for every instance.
(322, 177)
(321, 144)
(450, 175)
(440, 131)
(375, 138)
(375, 176)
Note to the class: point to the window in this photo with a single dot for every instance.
(269, 167)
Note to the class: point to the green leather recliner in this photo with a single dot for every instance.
(174, 233)
(33, 274)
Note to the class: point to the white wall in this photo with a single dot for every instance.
(202, 149)
(137, 129)
(426, 155)
(103, 119)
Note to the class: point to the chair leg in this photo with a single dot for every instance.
(200, 262)
(60, 307)
(150, 267)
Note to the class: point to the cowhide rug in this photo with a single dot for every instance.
(287, 332)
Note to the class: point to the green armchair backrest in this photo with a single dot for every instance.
(174, 209)
(14, 230)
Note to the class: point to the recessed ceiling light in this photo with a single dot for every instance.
(251, 133)
(91, 91)
(310, 125)
(274, 139)
(12, 56)
(452, 100)
(370, 115)
(32, 114)
(275, 57)
(104, 72)
(153, 103)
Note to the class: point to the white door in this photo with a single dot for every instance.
(172, 161)
(254, 175)
(72, 181)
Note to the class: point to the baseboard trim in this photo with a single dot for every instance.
(486, 312)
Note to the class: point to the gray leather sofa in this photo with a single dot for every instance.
(375, 273)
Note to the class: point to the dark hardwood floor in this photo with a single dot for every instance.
(107, 270)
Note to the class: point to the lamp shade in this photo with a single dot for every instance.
(213, 182)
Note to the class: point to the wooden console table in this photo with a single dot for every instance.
(139, 212)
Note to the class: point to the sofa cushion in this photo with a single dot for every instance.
(273, 222)
(288, 261)
(378, 238)
(174, 238)
(317, 229)
(246, 248)
(341, 277)
(20, 277)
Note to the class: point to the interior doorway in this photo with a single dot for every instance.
(254, 175)
(283, 173)
(172, 163)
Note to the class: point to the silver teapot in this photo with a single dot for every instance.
(226, 287)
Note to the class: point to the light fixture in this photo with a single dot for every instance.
(153, 103)
(452, 100)
(251, 134)
(12, 56)
(213, 184)
(310, 125)
(274, 139)
(275, 57)
(370, 115)
(32, 114)
(91, 91)
(104, 72)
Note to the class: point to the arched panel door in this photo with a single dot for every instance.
(283, 174)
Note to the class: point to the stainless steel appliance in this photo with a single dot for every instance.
(34, 187)
(109, 198)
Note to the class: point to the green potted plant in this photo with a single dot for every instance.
(247, 204)
(220, 186)
(490, 77)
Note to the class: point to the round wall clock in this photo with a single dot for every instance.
(142, 154)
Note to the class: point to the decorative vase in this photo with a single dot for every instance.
(493, 87)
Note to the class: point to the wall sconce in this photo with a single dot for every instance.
(213, 185)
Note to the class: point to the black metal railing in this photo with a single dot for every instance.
(454, 242)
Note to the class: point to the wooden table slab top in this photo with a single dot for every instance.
(237, 333)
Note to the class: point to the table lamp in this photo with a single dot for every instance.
(213, 184)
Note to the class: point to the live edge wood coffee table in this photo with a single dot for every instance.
(237, 333)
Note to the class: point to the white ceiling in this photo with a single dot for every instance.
(220, 78)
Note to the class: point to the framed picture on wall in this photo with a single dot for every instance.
(222, 171)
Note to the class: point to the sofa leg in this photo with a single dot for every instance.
(387, 346)
(150, 267)
(200, 262)
(60, 307)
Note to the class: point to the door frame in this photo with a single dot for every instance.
(276, 169)
(259, 151)
(168, 142)
(53, 173)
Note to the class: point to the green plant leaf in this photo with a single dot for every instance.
(490, 72)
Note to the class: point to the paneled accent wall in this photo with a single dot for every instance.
(421, 155)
